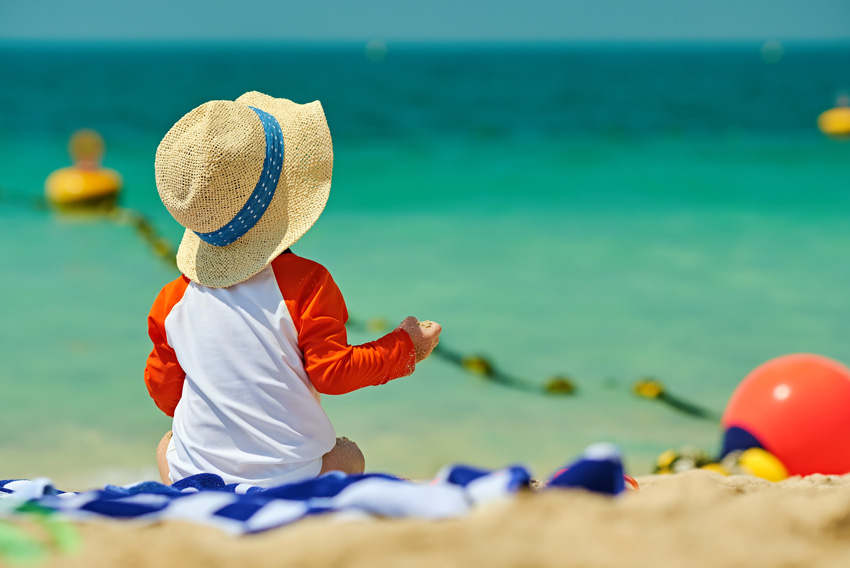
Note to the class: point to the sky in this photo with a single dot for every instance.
(430, 20)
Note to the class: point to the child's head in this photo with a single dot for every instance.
(247, 178)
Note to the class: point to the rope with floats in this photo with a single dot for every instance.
(474, 364)
(652, 389)
(159, 245)
(480, 365)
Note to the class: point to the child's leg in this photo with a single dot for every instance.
(345, 457)
(161, 462)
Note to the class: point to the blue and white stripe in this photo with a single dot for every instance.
(240, 509)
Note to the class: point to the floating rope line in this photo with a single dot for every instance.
(652, 389)
(687, 458)
(559, 385)
(480, 365)
(159, 245)
(483, 367)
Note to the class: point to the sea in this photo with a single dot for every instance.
(598, 212)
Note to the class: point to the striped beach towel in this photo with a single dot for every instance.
(240, 509)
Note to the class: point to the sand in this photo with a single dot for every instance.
(692, 519)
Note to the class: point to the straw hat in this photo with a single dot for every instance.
(247, 178)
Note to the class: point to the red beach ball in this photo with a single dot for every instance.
(798, 407)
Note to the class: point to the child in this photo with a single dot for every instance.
(249, 336)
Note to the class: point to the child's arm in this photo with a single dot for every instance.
(319, 313)
(163, 374)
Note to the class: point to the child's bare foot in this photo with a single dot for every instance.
(345, 457)
(425, 335)
(161, 461)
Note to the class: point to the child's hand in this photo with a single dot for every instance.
(425, 335)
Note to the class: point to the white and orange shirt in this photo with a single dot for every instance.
(240, 369)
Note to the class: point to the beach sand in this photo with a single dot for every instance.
(691, 519)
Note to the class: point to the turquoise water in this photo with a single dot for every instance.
(602, 212)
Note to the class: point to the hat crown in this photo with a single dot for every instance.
(208, 164)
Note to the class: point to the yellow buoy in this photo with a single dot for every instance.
(648, 388)
(664, 463)
(836, 121)
(560, 385)
(85, 185)
(477, 365)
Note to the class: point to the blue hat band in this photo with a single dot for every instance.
(262, 195)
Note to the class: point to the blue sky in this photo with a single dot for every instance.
(432, 20)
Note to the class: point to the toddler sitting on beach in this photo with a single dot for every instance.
(246, 339)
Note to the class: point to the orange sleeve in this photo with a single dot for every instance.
(163, 374)
(319, 313)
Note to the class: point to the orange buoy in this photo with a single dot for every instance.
(86, 184)
(798, 408)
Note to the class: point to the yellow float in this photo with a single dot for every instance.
(85, 185)
(836, 121)
(762, 463)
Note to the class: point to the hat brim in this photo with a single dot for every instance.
(299, 199)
